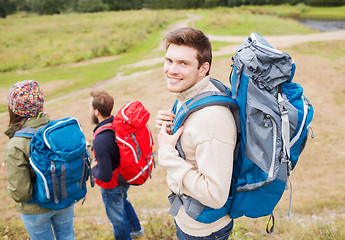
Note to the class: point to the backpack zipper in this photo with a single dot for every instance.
(58, 123)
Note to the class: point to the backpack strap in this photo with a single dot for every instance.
(210, 98)
(192, 206)
(26, 132)
(103, 128)
(205, 99)
(220, 86)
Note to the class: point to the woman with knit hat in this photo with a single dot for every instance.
(25, 107)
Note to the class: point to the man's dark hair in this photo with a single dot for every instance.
(194, 38)
(102, 102)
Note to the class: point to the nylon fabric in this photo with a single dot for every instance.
(59, 164)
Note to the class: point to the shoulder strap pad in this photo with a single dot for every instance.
(104, 127)
(26, 132)
(221, 87)
(203, 100)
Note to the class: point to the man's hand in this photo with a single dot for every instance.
(94, 164)
(164, 116)
(165, 138)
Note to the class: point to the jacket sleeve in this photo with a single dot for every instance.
(18, 169)
(208, 141)
(105, 147)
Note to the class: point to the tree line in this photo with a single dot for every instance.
(65, 6)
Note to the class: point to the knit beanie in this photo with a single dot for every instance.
(26, 98)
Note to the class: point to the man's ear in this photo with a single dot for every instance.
(96, 112)
(204, 69)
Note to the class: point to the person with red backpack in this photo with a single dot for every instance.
(119, 210)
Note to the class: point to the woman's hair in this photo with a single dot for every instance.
(102, 102)
(16, 120)
(193, 38)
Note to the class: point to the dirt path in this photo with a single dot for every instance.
(282, 41)
(318, 178)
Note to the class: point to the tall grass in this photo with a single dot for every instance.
(31, 42)
(299, 11)
(162, 227)
(241, 21)
(31, 47)
(331, 49)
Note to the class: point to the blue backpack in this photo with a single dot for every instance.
(59, 157)
(272, 117)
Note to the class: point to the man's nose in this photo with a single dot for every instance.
(173, 68)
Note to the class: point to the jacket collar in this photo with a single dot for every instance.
(35, 122)
(108, 120)
(194, 90)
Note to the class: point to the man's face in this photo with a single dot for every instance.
(181, 68)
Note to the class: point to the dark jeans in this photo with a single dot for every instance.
(120, 212)
(222, 234)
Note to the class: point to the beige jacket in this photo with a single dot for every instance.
(208, 140)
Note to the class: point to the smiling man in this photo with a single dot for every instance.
(207, 138)
(181, 68)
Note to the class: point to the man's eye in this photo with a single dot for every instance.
(184, 64)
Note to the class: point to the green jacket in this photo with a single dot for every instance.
(19, 173)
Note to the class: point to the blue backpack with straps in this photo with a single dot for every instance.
(273, 119)
(59, 157)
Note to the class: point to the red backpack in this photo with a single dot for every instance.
(135, 143)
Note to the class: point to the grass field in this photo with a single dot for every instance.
(318, 209)
(39, 47)
(240, 21)
(299, 11)
(34, 42)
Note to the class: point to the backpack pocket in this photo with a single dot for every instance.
(41, 188)
(262, 139)
(262, 146)
(300, 116)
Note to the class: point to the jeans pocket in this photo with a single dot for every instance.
(112, 198)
